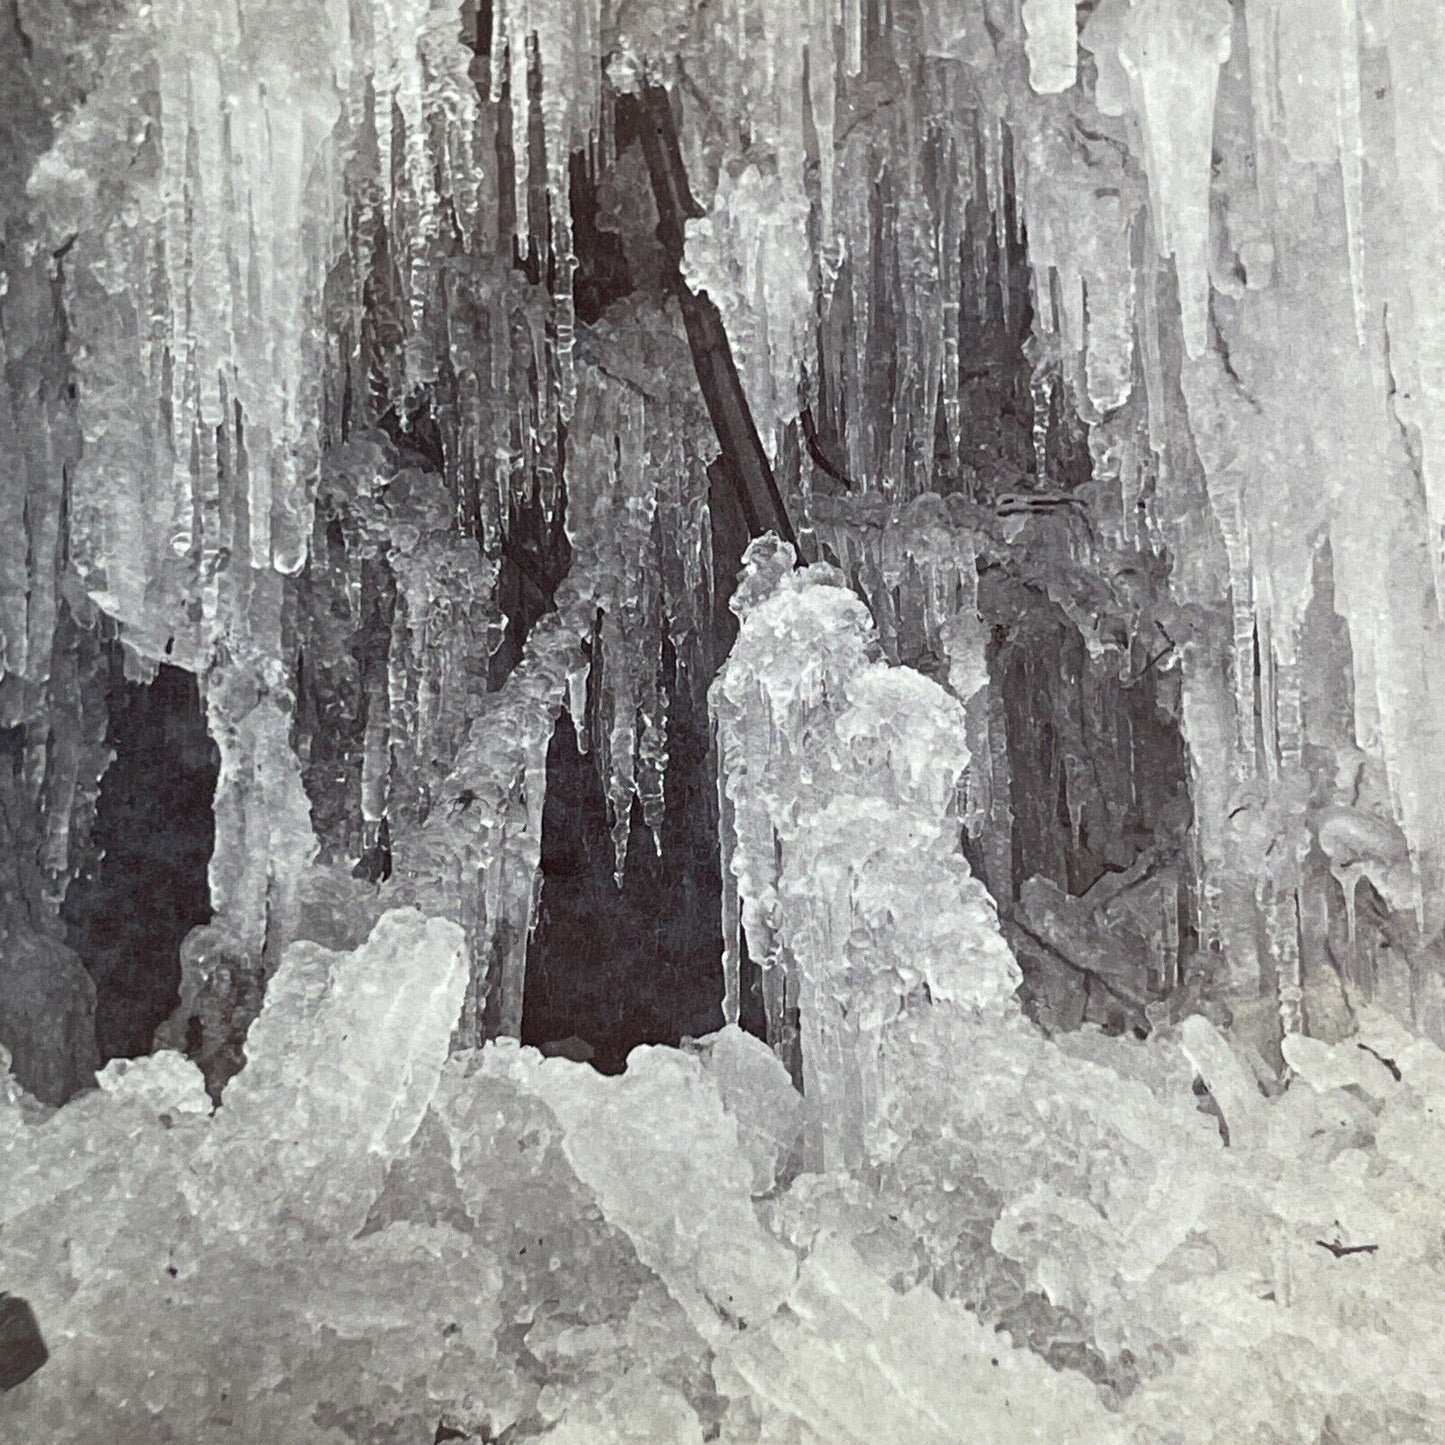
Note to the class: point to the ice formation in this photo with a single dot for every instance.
(495, 1240)
(408, 372)
(842, 775)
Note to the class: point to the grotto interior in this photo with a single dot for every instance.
(721, 720)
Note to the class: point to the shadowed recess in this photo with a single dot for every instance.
(154, 830)
(613, 967)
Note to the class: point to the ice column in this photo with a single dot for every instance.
(843, 776)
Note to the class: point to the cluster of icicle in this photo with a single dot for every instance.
(636, 518)
(300, 165)
(200, 231)
(1229, 213)
(840, 779)
(917, 571)
(1291, 173)
(200, 282)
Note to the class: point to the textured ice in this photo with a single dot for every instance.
(664, 1161)
(1049, 1240)
(756, 1090)
(1131, 311)
(842, 774)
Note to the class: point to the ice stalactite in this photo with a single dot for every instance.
(1416, 48)
(843, 776)
(431, 169)
(1171, 54)
(914, 269)
(750, 255)
(1077, 204)
(563, 41)
(199, 285)
(636, 494)
(637, 490)
(1053, 44)
(52, 662)
(918, 572)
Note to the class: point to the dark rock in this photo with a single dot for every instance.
(22, 1351)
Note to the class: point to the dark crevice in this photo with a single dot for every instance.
(602, 275)
(641, 964)
(535, 559)
(153, 832)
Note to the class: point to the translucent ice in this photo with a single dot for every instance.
(1172, 52)
(1052, 44)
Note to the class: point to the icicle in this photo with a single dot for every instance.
(822, 102)
(731, 921)
(1352, 159)
(853, 36)
(1417, 61)
(1052, 43)
(1172, 54)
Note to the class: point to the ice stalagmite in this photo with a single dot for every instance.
(843, 776)
(378, 1046)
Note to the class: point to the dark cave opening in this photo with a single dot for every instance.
(641, 964)
(154, 830)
